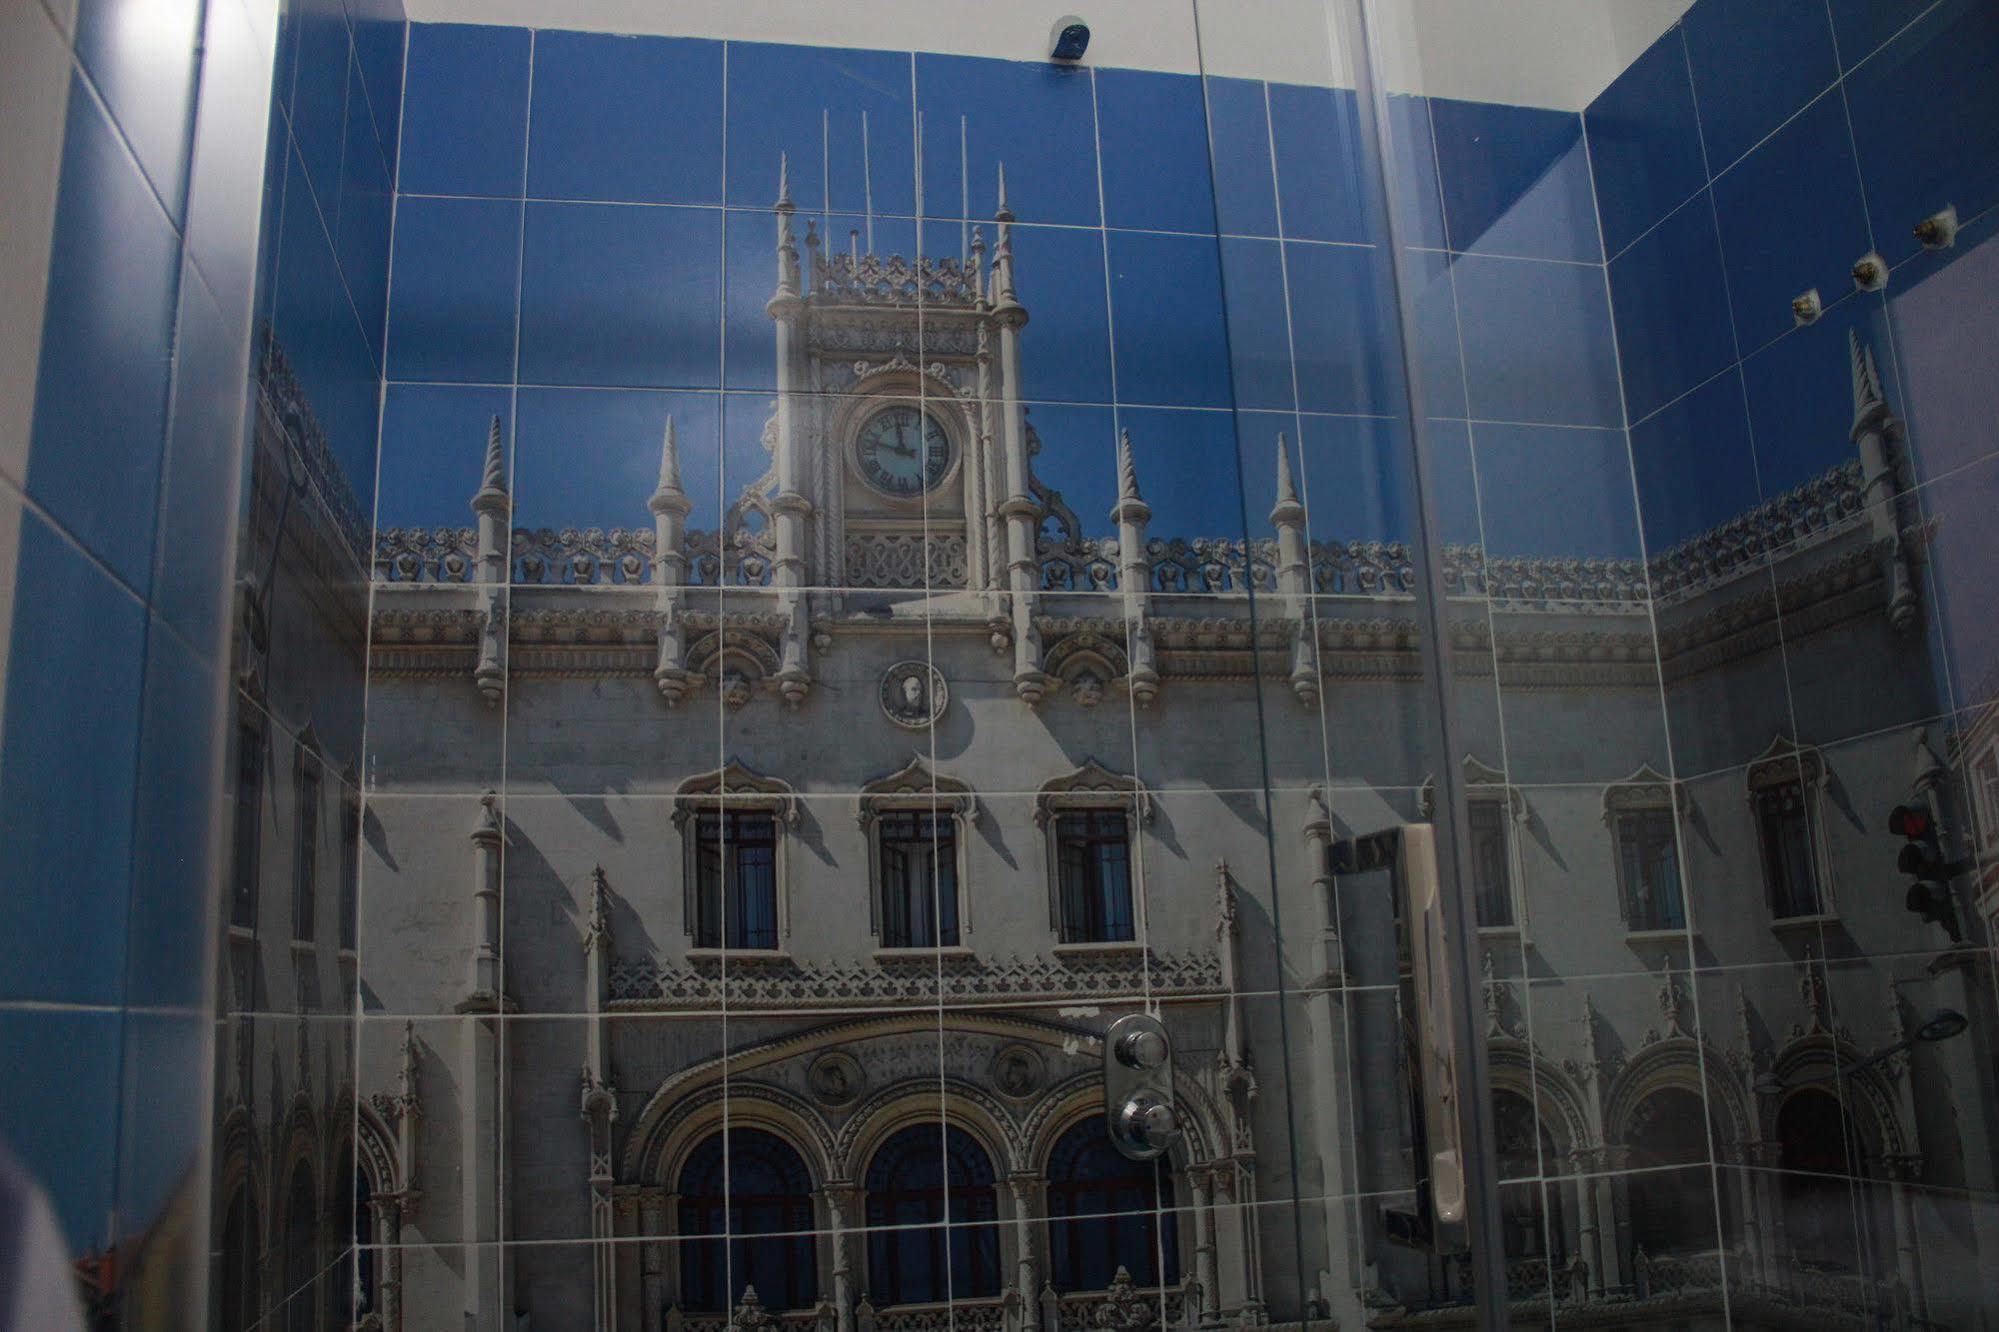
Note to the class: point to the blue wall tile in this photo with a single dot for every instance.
(165, 1121)
(1355, 477)
(1412, 172)
(1862, 25)
(178, 773)
(808, 101)
(318, 105)
(1168, 335)
(1755, 62)
(107, 339)
(67, 777)
(1066, 346)
(1672, 310)
(141, 55)
(1186, 471)
(1078, 459)
(1566, 373)
(1319, 182)
(1515, 180)
(635, 119)
(1645, 141)
(434, 449)
(1339, 330)
(1258, 325)
(1946, 321)
(64, 1130)
(1244, 178)
(361, 219)
(1526, 474)
(198, 483)
(1036, 118)
(1791, 218)
(1695, 466)
(452, 293)
(464, 110)
(1926, 122)
(1801, 393)
(1152, 133)
(1440, 365)
(590, 457)
(582, 318)
(378, 48)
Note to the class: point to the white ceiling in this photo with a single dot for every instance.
(1554, 53)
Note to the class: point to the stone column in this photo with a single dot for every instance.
(482, 978)
(1874, 428)
(659, 1215)
(1131, 514)
(1200, 1184)
(1019, 510)
(790, 507)
(1294, 579)
(494, 507)
(1908, 1260)
(670, 507)
(838, 1202)
(1025, 1193)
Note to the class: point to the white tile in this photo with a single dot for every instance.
(34, 69)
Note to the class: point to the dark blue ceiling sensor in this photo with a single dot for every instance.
(1069, 38)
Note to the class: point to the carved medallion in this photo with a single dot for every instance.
(913, 694)
(835, 1078)
(1017, 1071)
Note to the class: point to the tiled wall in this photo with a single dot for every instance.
(131, 157)
(1753, 154)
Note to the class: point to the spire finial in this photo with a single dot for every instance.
(1003, 213)
(495, 476)
(783, 179)
(669, 458)
(1127, 469)
(1287, 492)
(1869, 406)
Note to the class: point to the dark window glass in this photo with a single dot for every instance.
(350, 871)
(913, 1257)
(1814, 1144)
(735, 868)
(1492, 878)
(1093, 859)
(301, 1252)
(1103, 1214)
(248, 831)
(1648, 868)
(305, 855)
(1787, 833)
(919, 879)
(766, 1214)
(236, 1296)
(1525, 1153)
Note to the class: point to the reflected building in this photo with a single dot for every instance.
(833, 838)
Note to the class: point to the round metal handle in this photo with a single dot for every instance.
(1149, 1123)
(1142, 1049)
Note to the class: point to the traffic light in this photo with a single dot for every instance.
(1922, 860)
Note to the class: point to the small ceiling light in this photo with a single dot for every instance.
(1068, 39)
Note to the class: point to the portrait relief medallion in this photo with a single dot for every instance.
(913, 694)
(835, 1078)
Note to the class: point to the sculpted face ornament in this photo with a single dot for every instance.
(913, 694)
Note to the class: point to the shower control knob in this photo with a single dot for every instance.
(1142, 1049)
(1149, 1124)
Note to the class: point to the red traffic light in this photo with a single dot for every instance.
(1907, 821)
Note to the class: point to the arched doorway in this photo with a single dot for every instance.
(921, 1176)
(236, 1283)
(301, 1250)
(1526, 1154)
(1103, 1214)
(1815, 1152)
(1670, 1192)
(751, 1186)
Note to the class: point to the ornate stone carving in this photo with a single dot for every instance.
(913, 694)
(905, 560)
(836, 1079)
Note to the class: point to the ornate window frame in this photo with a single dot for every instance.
(1783, 762)
(1090, 787)
(916, 788)
(1647, 790)
(734, 788)
(1487, 785)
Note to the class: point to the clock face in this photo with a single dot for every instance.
(902, 452)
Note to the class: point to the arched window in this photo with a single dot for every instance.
(1103, 1213)
(922, 1176)
(1672, 1210)
(1526, 1155)
(236, 1289)
(1815, 1152)
(301, 1250)
(754, 1188)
